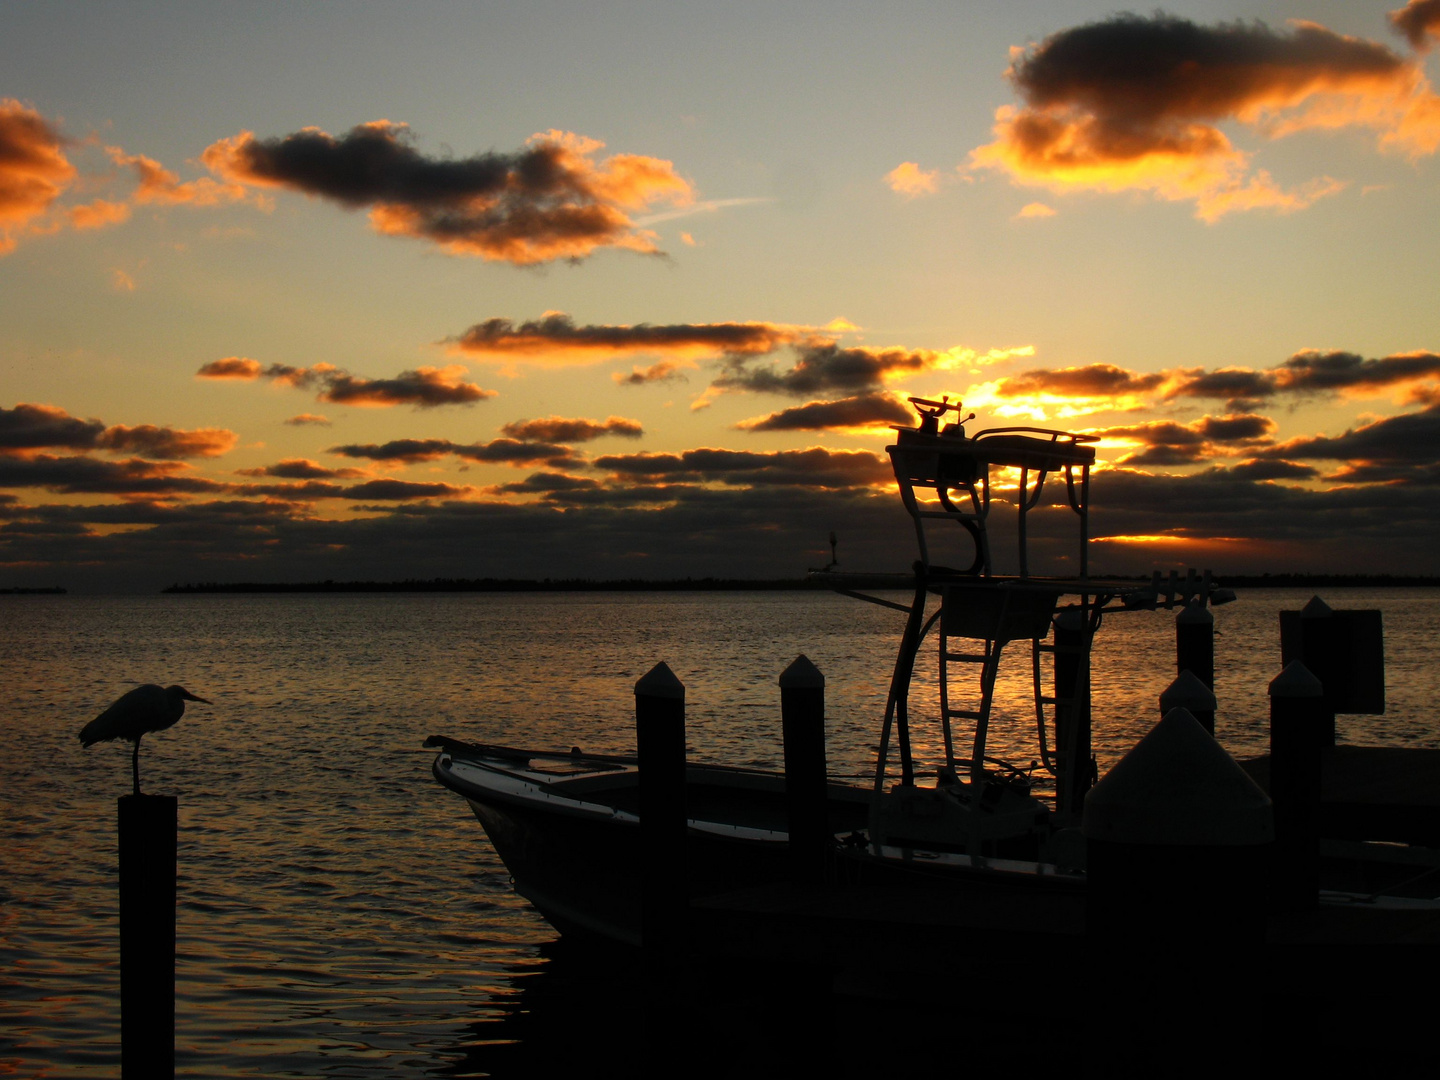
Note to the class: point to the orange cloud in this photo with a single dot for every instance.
(1132, 103)
(99, 214)
(1036, 210)
(33, 169)
(551, 200)
(168, 443)
(159, 185)
(231, 367)
(909, 179)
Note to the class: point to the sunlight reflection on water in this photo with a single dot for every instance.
(340, 913)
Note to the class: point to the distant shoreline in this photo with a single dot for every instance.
(710, 584)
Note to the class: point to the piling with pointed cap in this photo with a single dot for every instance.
(1177, 838)
(1189, 693)
(1299, 733)
(1317, 651)
(1195, 642)
(802, 712)
(660, 747)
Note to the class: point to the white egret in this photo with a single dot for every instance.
(146, 708)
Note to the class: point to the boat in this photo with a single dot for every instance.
(979, 846)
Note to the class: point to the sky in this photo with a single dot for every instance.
(372, 291)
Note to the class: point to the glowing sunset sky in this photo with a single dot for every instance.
(371, 291)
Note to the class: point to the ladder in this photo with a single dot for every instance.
(977, 622)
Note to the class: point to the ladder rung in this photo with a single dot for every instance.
(963, 714)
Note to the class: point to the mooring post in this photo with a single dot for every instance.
(1189, 693)
(660, 746)
(1177, 838)
(1317, 652)
(1299, 730)
(148, 827)
(1195, 641)
(802, 712)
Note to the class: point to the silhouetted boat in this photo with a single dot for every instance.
(974, 849)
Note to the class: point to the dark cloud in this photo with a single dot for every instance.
(167, 443)
(1397, 449)
(815, 467)
(406, 450)
(517, 452)
(662, 371)
(85, 475)
(1090, 381)
(300, 469)
(509, 451)
(555, 337)
(1240, 388)
(425, 387)
(1243, 428)
(392, 490)
(551, 200)
(1227, 519)
(31, 427)
(826, 367)
(558, 429)
(862, 410)
(1419, 21)
(1313, 370)
(236, 367)
(308, 419)
(548, 483)
(1168, 443)
(1272, 469)
(1133, 102)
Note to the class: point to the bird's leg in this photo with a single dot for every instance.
(135, 764)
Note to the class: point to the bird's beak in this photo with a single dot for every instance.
(192, 697)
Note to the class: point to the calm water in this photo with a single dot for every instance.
(340, 913)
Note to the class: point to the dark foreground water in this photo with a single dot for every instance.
(341, 915)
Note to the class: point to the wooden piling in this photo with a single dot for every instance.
(1189, 693)
(1178, 838)
(1300, 729)
(1318, 653)
(660, 747)
(1195, 642)
(802, 710)
(148, 830)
